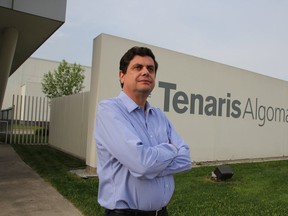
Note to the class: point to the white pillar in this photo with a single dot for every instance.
(7, 51)
(91, 157)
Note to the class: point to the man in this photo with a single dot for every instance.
(138, 148)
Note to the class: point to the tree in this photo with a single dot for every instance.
(66, 80)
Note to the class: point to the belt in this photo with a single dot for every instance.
(134, 212)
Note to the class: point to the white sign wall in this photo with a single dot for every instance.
(222, 112)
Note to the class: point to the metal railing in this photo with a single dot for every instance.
(29, 120)
(6, 114)
(4, 129)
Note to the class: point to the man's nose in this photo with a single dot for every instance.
(145, 71)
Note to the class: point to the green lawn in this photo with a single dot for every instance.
(255, 188)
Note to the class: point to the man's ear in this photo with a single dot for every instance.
(121, 77)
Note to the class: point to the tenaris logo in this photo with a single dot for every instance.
(197, 104)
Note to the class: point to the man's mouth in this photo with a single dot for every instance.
(145, 81)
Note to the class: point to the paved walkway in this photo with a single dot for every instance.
(23, 192)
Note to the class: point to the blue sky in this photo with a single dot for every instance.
(248, 34)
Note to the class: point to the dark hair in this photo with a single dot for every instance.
(131, 53)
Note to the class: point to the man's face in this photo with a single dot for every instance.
(139, 77)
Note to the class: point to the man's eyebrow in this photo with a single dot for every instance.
(140, 66)
(151, 66)
(137, 65)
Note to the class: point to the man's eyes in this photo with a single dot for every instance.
(150, 69)
(139, 67)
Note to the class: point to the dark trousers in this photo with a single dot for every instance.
(134, 213)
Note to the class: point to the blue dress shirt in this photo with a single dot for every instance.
(138, 153)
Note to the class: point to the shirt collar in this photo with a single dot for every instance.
(130, 104)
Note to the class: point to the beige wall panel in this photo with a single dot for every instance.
(68, 124)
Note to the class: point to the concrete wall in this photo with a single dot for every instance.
(68, 124)
(222, 112)
(40, 8)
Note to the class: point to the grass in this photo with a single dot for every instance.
(19, 126)
(39, 136)
(255, 188)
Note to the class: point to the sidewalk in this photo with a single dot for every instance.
(23, 192)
